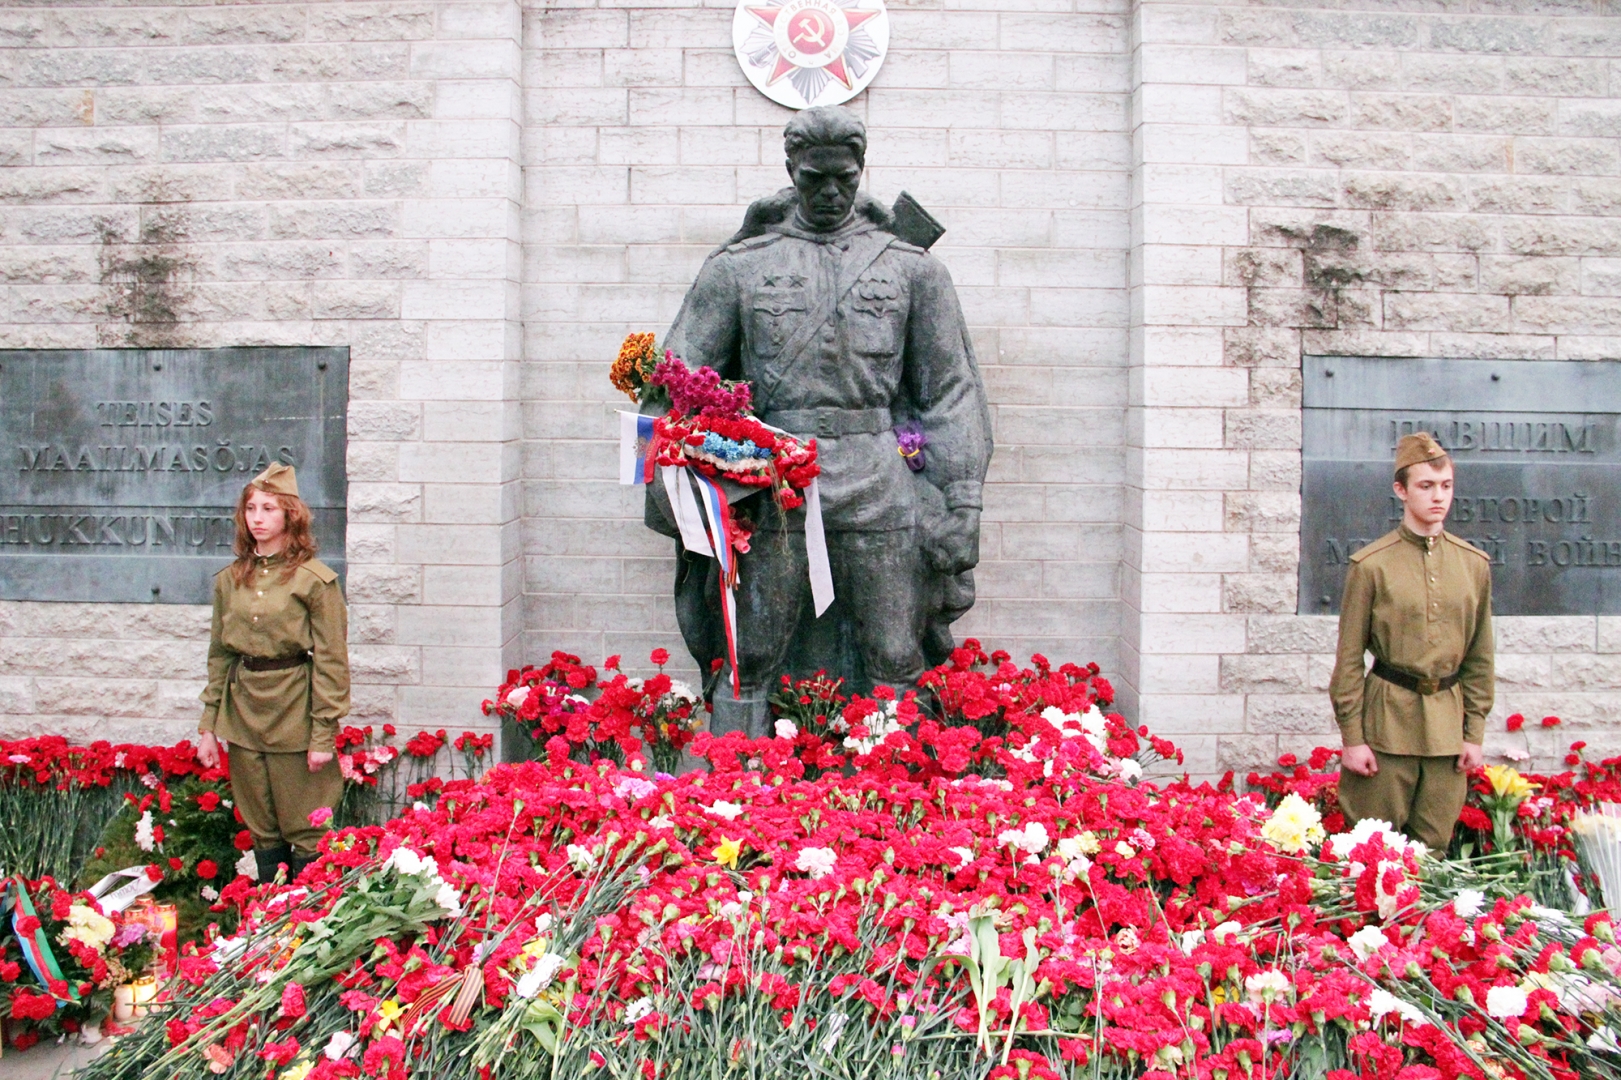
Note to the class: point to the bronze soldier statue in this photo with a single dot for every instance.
(846, 333)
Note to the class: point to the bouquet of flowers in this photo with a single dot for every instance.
(62, 959)
(709, 426)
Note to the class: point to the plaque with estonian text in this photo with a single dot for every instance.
(1537, 452)
(126, 464)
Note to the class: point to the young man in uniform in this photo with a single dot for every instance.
(1420, 600)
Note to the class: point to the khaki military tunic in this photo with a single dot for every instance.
(289, 710)
(1424, 606)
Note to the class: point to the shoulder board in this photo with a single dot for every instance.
(1380, 544)
(1459, 541)
(320, 570)
(901, 245)
(755, 241)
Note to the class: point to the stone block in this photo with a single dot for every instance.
(1293, 633)
(1253, 346)
(1452, 74)
(1447, 311)
(369, 584)
(1543, 276)
(1581, 672)
(1275, 674)
(1262, 511)
(1403, 191)
(1262, 429)
(384, 502)
(1291, 714)
(1244, 753)
(1523, 671)
(1566, 157)
(1544, 633)
(1401, 112)
(1273, 147)
(223, 142)
(1258, 593)
(1170, 714)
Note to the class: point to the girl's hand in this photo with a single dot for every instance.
(208, 751)
(318, 760)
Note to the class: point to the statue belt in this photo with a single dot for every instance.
(830, 422)
(1422, 687)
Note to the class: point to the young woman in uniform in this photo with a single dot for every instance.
(278, 674)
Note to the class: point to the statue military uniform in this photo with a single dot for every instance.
(844, 333)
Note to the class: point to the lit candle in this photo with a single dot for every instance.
(123, 1002)
(166, 921)
(143, 991)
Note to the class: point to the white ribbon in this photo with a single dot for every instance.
(688, 518)
(115, 900)
(821, 574)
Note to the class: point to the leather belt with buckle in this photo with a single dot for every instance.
(1420, 686)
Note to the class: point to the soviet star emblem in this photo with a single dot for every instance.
(801, 53)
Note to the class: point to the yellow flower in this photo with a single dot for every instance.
(1507, 782)
(1294, 825)
(298, 1071)
(391, 1010)
(727, 851)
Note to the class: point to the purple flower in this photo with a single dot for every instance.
(910, 440)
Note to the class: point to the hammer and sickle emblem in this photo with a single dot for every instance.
(809, 30)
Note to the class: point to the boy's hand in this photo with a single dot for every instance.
(1360, 759)
(1473, 754)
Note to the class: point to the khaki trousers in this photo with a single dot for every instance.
(1419, 796)
(277, 793)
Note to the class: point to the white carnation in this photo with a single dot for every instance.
(724, 809)
(642, 1006)
(145, 839)
(1505, 1002)
(1468, 903)
(786, 729)
(1367, 941)
(403, 860)
(247, 866)
(818, 862)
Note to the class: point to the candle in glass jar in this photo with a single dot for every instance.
(123, 1002)
(144, 990)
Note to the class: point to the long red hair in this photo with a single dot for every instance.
(299, 549)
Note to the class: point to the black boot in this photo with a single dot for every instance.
(269, 861)
(296, 866)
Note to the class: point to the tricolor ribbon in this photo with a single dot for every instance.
(36, 947)
(704, 522)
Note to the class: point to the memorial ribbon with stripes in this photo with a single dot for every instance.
(704, 520)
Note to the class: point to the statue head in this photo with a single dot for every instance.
(827, 149)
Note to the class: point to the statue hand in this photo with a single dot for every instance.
(952, 545)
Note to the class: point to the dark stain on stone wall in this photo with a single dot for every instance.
(149, 286)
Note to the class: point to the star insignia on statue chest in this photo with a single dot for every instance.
(784, 281)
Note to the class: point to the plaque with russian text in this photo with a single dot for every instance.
(126, 464)
(1537, 452)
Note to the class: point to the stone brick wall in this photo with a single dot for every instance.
(283, 174)
(1401, 182)
(644, 144)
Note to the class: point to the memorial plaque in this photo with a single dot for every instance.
(126, 464)
(1537, 452)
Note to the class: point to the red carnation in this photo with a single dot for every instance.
(1516, 722)
(612, 663)
(660, 657)
(208, 801)
(26, 925)
(292, 1001)
(243, 841)
(206, 869)
(9, 971)
(176, 865)
(1550, 721)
